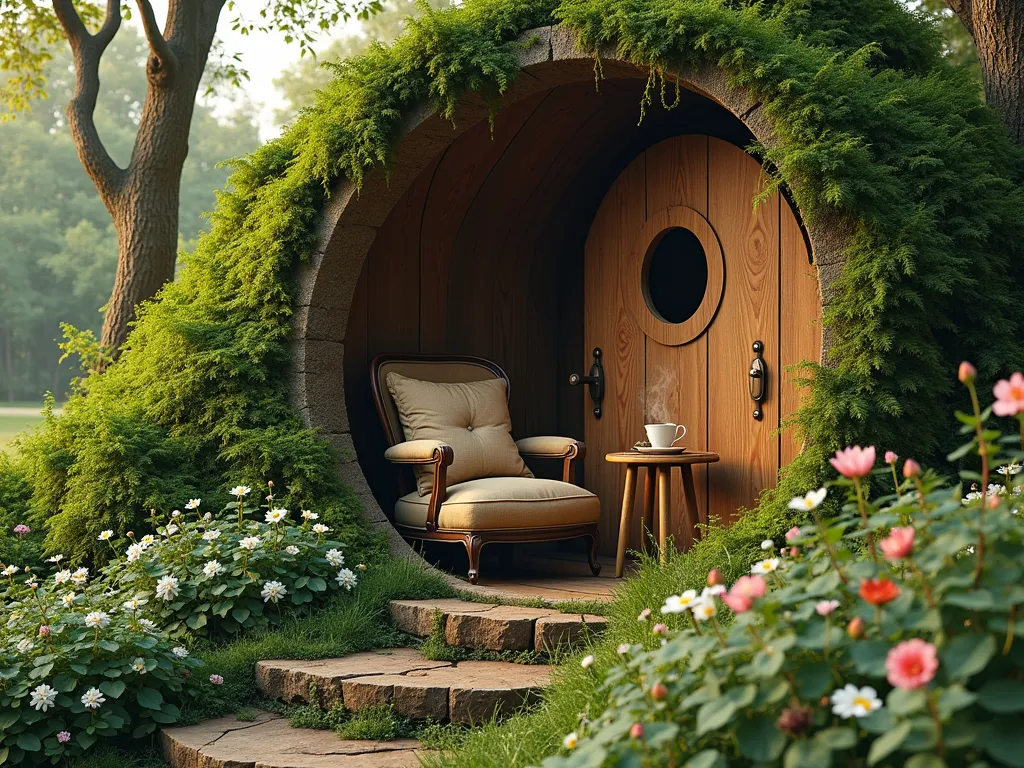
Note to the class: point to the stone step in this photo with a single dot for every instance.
(495, 627)
(469, 692)
(270, 742)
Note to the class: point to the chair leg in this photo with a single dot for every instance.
(474, 545)
(595, 567)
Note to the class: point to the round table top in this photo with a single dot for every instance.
(686, 457)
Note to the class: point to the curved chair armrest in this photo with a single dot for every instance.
(551, 447)
(433, 452)
(416, 452)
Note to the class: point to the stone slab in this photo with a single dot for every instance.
(270, 742)
(550, 632)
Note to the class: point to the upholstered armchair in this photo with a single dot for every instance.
(447, 419)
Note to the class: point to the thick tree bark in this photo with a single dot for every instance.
(142, 198)
(998, 30)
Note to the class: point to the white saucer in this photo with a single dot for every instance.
(672, 450)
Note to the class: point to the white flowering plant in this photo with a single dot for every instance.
(886, 635)
(88, 656)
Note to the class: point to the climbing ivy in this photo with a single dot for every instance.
(874, 131)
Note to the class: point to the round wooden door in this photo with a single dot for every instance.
(682, 276)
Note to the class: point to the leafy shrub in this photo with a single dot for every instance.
(85, 658)
(884, 635)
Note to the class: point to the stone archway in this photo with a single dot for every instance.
(351, 220)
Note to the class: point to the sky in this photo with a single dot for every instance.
(263, 55)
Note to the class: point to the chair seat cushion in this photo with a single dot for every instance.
(505, 503)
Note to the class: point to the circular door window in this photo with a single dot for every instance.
(675, 275)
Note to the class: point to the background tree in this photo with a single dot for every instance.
(58, 247)
(142, 196)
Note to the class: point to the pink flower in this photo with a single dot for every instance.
(826, 607)
(21, 529)
(911, 664)
(911, 468)
(63, 737)
(966, 372)
(744, 592)
(659, 629)
(1009, 396)
(216, 679)
(792, 533)
(644, 614)
(854, 461)
(898, 544)
(890, 457)
(44, 630)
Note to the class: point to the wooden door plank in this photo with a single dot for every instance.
(749, 311)
(800, 320)
(607, 325)
(676, 376)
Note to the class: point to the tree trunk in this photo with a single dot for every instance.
(998, 30)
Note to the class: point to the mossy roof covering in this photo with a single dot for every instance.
(872, 125)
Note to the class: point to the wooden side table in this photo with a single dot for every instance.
(661, 467)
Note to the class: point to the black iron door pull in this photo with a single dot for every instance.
(594, 380)
(758, 379)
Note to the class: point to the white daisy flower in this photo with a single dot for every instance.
(335, 558)
(55, 559)
(812, 500)
(273, 591)
(211, 535)
(213, 568)
(307, 515)
(320, 528)
(80, 576)
(147, 625)
(193, 503)
(207, 517)
(133, 605)
(709, 593)
(704, 610)
(291, 549)
(147, 541)
(680, 603)
(134, 552)
(851, 701)
(10, 570)
(249, 542)
(176, 514)
(765, 566)
(93, 698)
(170, 530)
(240, 490)
(139, 666)
(68, 599)
(275, 516)
(587, 662)
(346, 579)
(181, 653)
(105, 535)
(43, 697)
(571, 740)
(97, 620)
(167, 588)
(62, 577)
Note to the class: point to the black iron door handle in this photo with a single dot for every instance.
(594, 381)
(758, 379)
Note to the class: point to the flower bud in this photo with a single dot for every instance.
(130, 534)
(44, 630)
(911, 468)
(855, 629)
(890, 457)
(637, 731)
(966, 373)
(794, 720)
(659, 629)
(715, 578)
(270, 483)
(659, 692)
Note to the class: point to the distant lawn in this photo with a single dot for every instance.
(12, 425)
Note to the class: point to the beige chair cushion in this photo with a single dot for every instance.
(504, 503)
(471, 417)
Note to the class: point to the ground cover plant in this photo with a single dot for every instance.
(86, 657)
(886, 635)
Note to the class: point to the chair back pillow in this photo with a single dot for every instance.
(471, 417)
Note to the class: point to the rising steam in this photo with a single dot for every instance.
(656, 398)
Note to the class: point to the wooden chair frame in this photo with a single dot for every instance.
(475, 540)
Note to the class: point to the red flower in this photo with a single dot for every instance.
(879, 591)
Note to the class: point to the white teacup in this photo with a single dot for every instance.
(664, 435)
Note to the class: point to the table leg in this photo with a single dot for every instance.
(690, 511)
(648, 529)
(664, 501)
(625, 518)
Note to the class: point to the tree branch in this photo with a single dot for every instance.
(88, 50)
(165, 61)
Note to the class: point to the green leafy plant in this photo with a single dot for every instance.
(883, 636)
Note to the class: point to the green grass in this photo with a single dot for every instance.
(12, 425)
